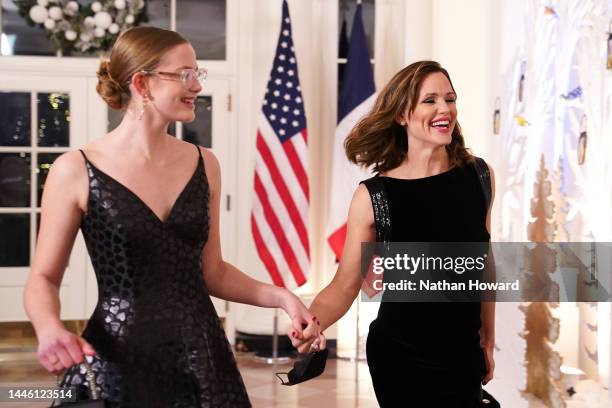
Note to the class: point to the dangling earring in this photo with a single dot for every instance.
(142, 107)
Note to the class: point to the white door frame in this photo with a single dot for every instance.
(12, 280)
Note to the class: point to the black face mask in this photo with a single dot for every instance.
(309, 367)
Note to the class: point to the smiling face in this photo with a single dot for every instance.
(172, 100)
(435, 113)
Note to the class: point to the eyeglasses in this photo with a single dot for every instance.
(187, 76)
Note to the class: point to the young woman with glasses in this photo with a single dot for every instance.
(148, 207)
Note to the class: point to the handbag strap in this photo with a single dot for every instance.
(484, 176)
(380, 206)
(91, 380)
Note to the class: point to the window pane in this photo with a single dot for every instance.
(159, 13)
(15, 117)
(15, 179)
(53, 119)
(14, 240)
(20, 39)
(347, 12)
(45, 160)
(202, 22)
(200, 130)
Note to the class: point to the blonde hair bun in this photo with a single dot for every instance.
(109, 89)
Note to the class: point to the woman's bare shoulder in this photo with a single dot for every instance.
(361, 206)
(68, 165)
(211, 163)
(68, 174)
(212, 168)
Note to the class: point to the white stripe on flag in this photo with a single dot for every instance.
(301, 149)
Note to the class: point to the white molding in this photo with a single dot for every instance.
(49, 66)
(85, 67)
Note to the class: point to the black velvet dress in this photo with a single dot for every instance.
(158, 338)
(428, 354)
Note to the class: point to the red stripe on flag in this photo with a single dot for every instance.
(283, 192)
(304, 133)
(297, 166)
(265, 255)
(336, 240)
(278, 232)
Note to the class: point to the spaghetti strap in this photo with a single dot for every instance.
(199, 151)
(83, 153)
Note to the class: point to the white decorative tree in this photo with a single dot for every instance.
(560, 204)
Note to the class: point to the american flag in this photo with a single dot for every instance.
(279, 218)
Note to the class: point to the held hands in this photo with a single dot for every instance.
(310, 339)
(60, 349)
(305, 332)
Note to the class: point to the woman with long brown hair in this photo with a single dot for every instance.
(148, 206)
(427, 188)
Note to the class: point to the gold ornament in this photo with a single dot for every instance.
(582, 141)
(496, 117)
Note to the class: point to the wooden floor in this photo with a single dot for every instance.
(344, 384)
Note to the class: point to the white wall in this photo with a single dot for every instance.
(464, 42)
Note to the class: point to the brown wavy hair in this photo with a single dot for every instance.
(378, 139)
(136, 49)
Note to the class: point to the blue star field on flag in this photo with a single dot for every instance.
(283, 105)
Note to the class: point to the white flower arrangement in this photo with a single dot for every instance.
(86, 29)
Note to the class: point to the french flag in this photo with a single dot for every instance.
(357, 97)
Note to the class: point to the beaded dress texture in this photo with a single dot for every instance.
(158, 339)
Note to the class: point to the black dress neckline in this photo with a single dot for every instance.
(433, 176)
(132, 193)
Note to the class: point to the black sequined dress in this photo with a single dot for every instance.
(158, 338)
